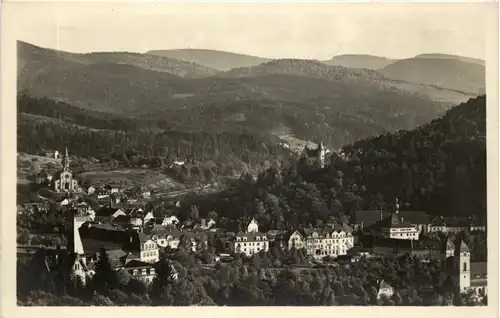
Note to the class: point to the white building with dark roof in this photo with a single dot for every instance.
(330, 241)
(252, 241)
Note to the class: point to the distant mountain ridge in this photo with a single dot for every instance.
(360, 61)
(451, 56)
(220, 60)
(28, 52)
(450, 73)
(310, 99)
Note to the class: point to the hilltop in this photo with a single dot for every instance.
(360, 61)
(451, 56)
(126, 106)
(48, 59)
(449, 73)
(451, 150)
(219, 60)
(440, 168)
(362, 78)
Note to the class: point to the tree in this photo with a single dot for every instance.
(105, 277)
(161, 286)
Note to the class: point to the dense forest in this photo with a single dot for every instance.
(46, 124)
(307, 99)
(439, 168)
(262, 280)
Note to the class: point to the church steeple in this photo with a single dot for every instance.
(66, 160)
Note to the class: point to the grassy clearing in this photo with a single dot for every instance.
(129, 178)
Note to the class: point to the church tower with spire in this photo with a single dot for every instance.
(65, 160)
(65, 183)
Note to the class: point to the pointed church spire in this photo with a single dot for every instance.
(66, 159)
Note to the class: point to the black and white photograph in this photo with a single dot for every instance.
(253, 154)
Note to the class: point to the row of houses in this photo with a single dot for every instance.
(414, 223)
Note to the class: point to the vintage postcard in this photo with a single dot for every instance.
(257, 155)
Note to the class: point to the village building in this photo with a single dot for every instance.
(118, 213)
(384, 290)
(85, 209)
(59, 266)
(315, 157)
(395, 227)
(66, 182)
(43, 177)
(320, 242)
(171, 237)
(91, 190)
(468, 276)
(52, 154)
(170, 220)
(457, 224)
(141, 271)
(146, 194)
(253, 226)
(366, 218)
(252, 241)
(205, 224)
(149, 217)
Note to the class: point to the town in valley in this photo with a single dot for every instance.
(201, 177)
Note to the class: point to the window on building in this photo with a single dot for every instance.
(465, 266)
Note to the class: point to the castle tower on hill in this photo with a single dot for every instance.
(315, 156)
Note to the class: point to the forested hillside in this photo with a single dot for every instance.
(306, 99)
(439, 167)
(45, 124)
(450, 72)
(219, 60)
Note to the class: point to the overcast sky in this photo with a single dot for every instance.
(278, 30)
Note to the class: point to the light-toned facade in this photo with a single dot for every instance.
(470, 277)
(328, 241)
(396, 227)
(253, 226)
(150, 252)
(66, 182)
(170, 220)
(252, 241)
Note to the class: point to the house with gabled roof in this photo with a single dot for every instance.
(328, 241)
(395, 226)
(384, 289)
(251, 241)
(59, 265)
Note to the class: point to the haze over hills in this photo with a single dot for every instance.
(48, 58)
(453, 57)
(355, 76)
(360, 61)
(219, 60)
(451, 73)
(305, 99)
